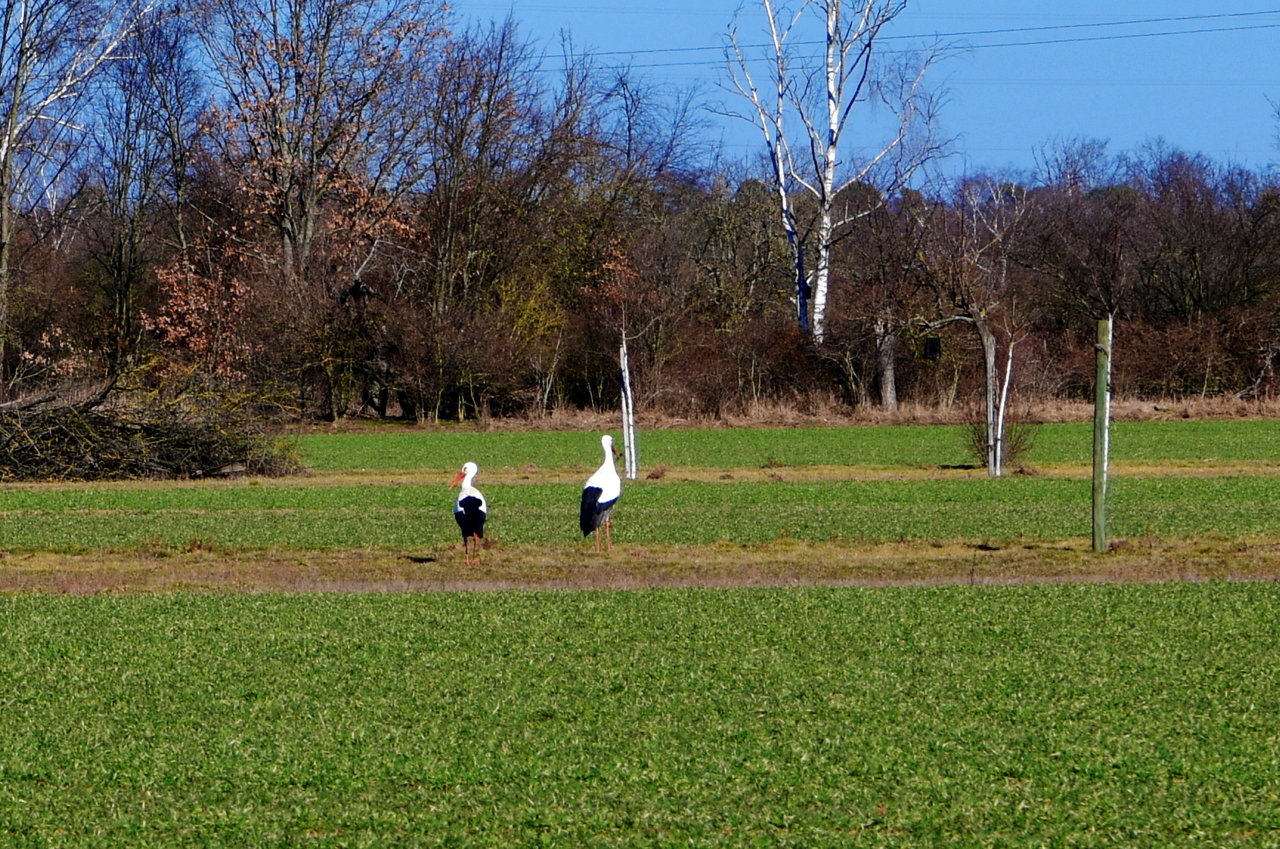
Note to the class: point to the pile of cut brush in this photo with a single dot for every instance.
(46, 438)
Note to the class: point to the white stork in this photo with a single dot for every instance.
(600, 494)
(469, 510)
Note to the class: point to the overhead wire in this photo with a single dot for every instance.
(990, 32)
(954, 36)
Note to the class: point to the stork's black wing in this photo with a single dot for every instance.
(470, 517)
(589, 520)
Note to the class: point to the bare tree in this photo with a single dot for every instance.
(879, 297)
(1083, 235)
(317, 105)
(970, 270)
(821, 95)
(318, 114)
(133, 204)
(49, 51)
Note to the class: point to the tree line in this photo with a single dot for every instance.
(357, 206)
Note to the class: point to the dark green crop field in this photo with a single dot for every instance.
(876, 447)
(414, 516)
(387, 491)
(1010, 714)
(1083, 715)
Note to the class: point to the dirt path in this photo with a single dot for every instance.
(638, 567)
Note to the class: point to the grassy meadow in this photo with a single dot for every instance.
(887, 447)
(386, 491)
(1007, 687)
(417, 516)
(1068, 715)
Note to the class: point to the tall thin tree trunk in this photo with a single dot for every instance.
(886, 369)
(822, 277)
(802, 285)
(827, 175)
(6, 241)
(1002, 410)
(990, 390)
(631, 457)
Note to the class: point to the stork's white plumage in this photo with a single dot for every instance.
(470, 510)
(601, 492)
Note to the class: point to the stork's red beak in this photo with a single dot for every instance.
(458, 479)
(614, 449)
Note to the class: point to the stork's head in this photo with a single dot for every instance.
(468, 472)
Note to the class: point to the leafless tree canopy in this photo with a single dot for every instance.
(369, 208)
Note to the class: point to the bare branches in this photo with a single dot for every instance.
(821, 96)
(49, 50)
(315, 95)
(184, 425)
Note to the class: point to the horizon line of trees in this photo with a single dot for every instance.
(359, 208)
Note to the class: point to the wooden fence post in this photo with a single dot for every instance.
(1101, 434)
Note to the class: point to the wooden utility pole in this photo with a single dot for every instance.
(1101, 434)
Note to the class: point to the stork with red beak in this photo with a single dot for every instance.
(600, 494)
(469, 510)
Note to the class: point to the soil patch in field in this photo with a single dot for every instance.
(634, 567)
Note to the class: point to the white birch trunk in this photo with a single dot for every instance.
(835, 61)
(845, 79)
(631, 459)
(1002, 410)
(821, 278)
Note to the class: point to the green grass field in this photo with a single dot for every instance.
(1132, 715)
(1084, 714)
(874, 447)
(388, 491)
(417, 516)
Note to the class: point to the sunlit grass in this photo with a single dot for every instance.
(1132, 714)
(1067, 715)
(914, 446)
(690, 512)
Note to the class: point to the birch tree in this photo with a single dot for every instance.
(49, 52)
(969, 261)
(811, 111)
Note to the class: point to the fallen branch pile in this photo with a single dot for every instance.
(50, 441)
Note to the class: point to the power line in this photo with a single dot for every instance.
(1088, 38)
(1040, 43)
(1135, 22)
(1175, 83)
(1003, 31)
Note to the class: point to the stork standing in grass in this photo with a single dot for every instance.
(600, 494)
(469, 510)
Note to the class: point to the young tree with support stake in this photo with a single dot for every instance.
(811, 166)
(969, 268)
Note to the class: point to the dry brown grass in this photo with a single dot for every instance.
(831, 413)
(633, 567)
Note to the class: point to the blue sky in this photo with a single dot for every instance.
(1024, 72)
